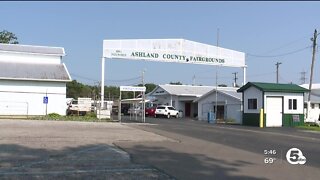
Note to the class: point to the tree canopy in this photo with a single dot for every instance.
(76, 89)
(7, 37)
(176, 83)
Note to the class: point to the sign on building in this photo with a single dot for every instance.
(172, 50)
(45, 100)
(132, 88)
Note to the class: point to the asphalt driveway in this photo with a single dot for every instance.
(207, 151)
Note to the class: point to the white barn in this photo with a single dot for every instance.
(30, 76)
(180, 96)
(197, 101)
(228, 103)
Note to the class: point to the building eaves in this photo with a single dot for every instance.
(30, 49)
(273, 87)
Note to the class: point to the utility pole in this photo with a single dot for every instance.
(143, 100)
(277, 64)
(216, 104)
(235, 79)
(314, 44)
(194, 80)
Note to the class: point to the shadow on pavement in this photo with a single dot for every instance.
(97, 161)
(183, 165)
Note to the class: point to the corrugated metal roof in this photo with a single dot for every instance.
(234, 93)
(314, 86)
(273, 87)
(229, 91)
(59, 51)
(186, 90)
(315, 96)
(25, 71)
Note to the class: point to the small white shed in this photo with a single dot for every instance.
(282, 104)
(228, 103)
(32, 80)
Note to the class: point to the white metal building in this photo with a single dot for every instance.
(228, 103)
(180, 96)
(29, 74)
(314, 110)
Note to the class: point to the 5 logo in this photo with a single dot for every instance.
(295, 156)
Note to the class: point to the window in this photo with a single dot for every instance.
(252, 103)
(312, 106)
(171, 108)
(295, 104)
(292, 104)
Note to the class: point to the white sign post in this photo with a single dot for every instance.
(133, 89)
(172, 51)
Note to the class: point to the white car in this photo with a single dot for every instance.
(166, 111)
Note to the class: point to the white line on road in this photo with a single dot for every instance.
(80, 171)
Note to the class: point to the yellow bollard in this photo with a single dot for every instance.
(261, 118)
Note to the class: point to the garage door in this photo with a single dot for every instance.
(274, 112)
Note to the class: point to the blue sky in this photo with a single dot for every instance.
(269, 29)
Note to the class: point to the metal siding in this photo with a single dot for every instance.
(33, 71)
(251, 119)
(32, 49)
(252, 93)
(288, 122)
(233, 109)
(32, 93)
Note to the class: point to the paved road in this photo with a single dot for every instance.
(207, 151)
(71, 150)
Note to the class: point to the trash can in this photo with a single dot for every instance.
(180, 114)
(211, 117)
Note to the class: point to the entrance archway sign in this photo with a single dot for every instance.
(133, 89)
(171, 51)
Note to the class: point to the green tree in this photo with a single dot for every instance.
(149, 87)
(76, 89)
(7, 37)
(176, 83)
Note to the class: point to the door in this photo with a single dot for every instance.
(220, 112)
(274, 112)
(187, 109)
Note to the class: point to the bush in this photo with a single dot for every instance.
(54, 116)
(230, 120)
(311, 124)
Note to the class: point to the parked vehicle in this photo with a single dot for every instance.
(125, 109)
(135, 110)
(166, 111)
(150, 111)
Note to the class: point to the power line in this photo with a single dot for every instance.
(110, 80)
(82, 77)
(124, 80)
(289, 43)
(279, 55)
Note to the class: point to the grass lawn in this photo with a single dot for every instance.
(308, 127)
(89, 117)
